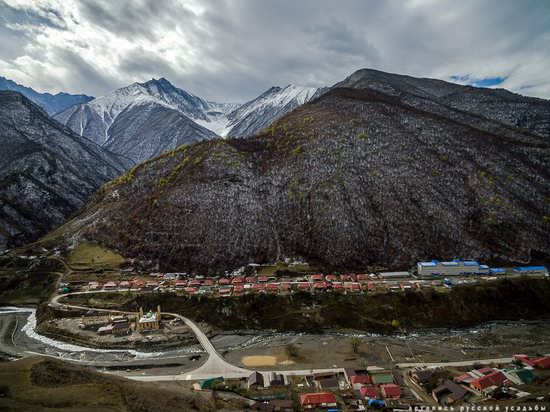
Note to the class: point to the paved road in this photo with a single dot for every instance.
(215, 365)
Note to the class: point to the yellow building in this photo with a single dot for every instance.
(148, 321)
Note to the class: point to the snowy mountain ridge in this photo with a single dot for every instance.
(51, 103)
(259, 113)
(128, 120)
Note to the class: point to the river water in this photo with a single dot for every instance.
(24, 339)
(18, 337)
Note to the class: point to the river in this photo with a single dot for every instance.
(18, 337)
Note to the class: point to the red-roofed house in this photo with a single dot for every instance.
(195, 282)
(109, 285)
(190, 290)
(337, 287)
(225, 290)
(180, 284)
(486, 370)
(124, 285)
(320, 285)
(208, 282)
(369, 392)
(285, 286)
(390, 391)
(224, 281)
(303, 286)
(521, 358)
(360, 379)
(352, 287)
(250, 279)
(317, 277)
(263, 279)
(543, 362)
(317, 400)
(258, 287)
(237, 280)
(362, 278)
(331, 278)
(137, 284)
(495, 378)
(272, 287)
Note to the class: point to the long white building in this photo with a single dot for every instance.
(451, 268)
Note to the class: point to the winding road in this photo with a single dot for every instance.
(216, 365)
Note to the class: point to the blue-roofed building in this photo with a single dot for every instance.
(453, 263)
(470, 263)
(531, 270)
(428, 264)
(497, 271)
(484, 270)
(435, 268)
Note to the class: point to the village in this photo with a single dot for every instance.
(397, 386)
(519, 379)
(428, 275)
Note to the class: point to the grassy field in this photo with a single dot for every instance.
(87, 256)
(100, 300)
(35, 383)
(267, 270)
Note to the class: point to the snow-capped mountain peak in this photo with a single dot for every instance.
(133, 111)
(259, 113)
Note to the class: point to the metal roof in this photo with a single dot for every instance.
(530, 268)
(427, 263)
(470, 263)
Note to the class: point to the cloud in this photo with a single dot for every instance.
(232, 50)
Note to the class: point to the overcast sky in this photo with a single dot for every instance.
(233, 50)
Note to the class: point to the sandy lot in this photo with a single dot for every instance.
(259, 360)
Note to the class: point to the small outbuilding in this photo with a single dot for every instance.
(255, 380)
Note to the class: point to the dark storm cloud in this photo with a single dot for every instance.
(234, 50)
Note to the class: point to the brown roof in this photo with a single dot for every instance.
(282, 403)
(256, 378)
(456, 391)
(329, 383)
(323, 375)
(423, 376)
